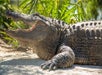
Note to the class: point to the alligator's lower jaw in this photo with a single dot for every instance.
(13, 32)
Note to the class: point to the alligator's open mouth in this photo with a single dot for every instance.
(21, 17)
(30, 20)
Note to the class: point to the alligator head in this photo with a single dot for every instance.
(39, 30)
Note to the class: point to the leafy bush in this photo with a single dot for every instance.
(65, 10)
(5, 23)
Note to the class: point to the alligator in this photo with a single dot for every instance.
(62, 45)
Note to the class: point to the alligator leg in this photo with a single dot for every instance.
(64, 58)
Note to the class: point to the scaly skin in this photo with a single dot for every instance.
(86, 42)
(60, 44)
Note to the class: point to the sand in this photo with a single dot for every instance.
(13, 62)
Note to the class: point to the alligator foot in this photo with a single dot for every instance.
(64, 58)
(51, 65)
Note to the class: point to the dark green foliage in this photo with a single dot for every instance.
(5, 23)
(3, 19)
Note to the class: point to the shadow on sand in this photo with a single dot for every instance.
(22, 61)
(29, 67)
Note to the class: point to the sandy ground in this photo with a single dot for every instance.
(13, 62)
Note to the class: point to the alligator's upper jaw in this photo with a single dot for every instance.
(13, 15)
(19, 17)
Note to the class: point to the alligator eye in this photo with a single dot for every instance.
(36, 14)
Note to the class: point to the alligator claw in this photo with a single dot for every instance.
(49, 65)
